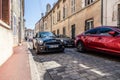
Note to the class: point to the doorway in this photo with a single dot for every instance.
(73, 31)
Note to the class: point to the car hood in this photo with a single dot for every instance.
(65, 39)
(48, 39)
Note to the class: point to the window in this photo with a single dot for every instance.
(46, 25)
(72, 6)
(89, 24)
(57, 31)
(58, 6)
(104, 31)
(88, 2)
(53, 20)
(4, 11)
(58, 16)
(64, 31)
(64, 1)
(63, 12)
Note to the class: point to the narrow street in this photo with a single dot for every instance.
(72, 65)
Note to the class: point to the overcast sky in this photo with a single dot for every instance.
(33, 10)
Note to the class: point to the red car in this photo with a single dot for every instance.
(103, 39)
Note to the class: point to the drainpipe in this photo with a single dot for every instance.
(20, 24)
(102, 12)
(51, 22)
(106, 14)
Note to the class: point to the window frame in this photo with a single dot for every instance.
(91, 21)
(88, 2)
(73, 3)
(4, 13)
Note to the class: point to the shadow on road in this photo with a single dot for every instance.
(73, 65)
(104, 55)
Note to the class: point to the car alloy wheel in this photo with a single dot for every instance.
(80, 47)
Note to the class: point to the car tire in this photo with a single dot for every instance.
(62, 51)
(80, 47)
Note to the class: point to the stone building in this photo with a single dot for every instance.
(111, 12)
(72, 17)
(29, 34)
(17, 20)
(10, 18)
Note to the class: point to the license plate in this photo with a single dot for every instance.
(53, 46)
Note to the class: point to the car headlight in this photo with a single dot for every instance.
(62, 40)
(40, 42)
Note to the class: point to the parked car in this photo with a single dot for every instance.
(47, 42)
(104, 39)
(67, 41)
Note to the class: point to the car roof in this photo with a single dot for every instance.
(116, 28)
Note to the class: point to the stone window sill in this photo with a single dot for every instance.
(3, 24)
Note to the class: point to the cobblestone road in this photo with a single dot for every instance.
(72, 65)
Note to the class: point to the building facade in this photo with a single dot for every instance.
(29, 34)
(9, 27)
(111, 12)
(72, 17)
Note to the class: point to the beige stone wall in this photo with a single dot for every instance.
(78, 18)
(48, 22)
(6, 43)
(37, 27)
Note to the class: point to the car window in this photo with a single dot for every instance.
(46, 34)
(92, 31)
(104, 31)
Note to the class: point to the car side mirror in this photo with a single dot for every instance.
(113, 33)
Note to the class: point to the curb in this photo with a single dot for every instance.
(33, 67)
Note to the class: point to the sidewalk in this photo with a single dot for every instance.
(17, 67)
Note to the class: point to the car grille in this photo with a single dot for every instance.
(52, 43)
(71, 42)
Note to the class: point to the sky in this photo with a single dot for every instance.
(33, 10)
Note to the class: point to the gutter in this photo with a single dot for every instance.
(102, 12)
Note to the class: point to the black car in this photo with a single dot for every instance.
(47, 42)
(67, 41)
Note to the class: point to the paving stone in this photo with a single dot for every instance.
(84, 74)
(91, 77)
(70, 69)
(82, 79)
(74, 76)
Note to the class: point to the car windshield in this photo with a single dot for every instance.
(46, 34)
